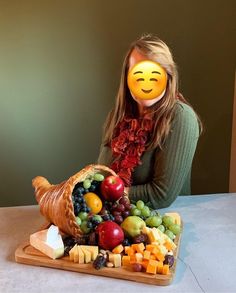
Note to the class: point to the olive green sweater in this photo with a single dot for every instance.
(165, 173)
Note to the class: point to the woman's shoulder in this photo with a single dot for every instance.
(184, 112)
(185, 119)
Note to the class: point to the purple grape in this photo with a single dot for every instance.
(124, 200)
(116, 213)
(120, 208)
(169, 260)
(99, 262)
(140, 238)
(119, 219)
(128, 207)
(114, 206)
(125, 214)
(137, 267)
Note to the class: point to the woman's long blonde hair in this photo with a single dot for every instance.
(163, 110)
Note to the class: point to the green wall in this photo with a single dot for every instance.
(60, 65)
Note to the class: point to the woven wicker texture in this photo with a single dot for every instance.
(55, 201)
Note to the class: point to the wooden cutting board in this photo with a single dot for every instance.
(27, 254)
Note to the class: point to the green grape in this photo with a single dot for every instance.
(78, 221)
(84, 227)
(87, 183)
(161, 228)
(133, 206)
(148, 221)
(83, 216)
(154, 221)
(153, 213)
(135, 212)
(145, 212)
(140, 204)
(175, 228)
(97, 218)
(170, 234)
(98, 177)
(167, 221)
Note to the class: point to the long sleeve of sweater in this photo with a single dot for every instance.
(172, 164)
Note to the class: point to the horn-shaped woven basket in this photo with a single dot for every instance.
(55, 201)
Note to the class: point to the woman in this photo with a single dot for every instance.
(150, 142)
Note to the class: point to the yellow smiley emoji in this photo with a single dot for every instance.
(147, 80)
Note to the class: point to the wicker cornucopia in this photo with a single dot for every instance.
(55, 201)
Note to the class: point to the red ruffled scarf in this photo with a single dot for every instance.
(128, 144)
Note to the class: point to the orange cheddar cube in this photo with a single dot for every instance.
(146, 254)
(131, 251)
(160, 256)
(133, 259)
(140, 247)
(159, 267)
(145, 263)
(127, 248)
(152, 267)
(126, 260)
(165, 270)
(150, 247)
(153, 262)
(155, 250)
(118, 249)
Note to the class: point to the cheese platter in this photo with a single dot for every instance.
(26, 254)
(88, 232)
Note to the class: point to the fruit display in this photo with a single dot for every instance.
(100, 226)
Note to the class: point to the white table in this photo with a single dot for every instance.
(207, 258)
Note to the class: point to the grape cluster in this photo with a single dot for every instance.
(100, 260)
(121, 209)
(169, 260)
(126, 242)
(87, 222)
(94, 221)
(69, 242)
(171, 229)
(105, 212)
(153, 219)
(140, 209)
(86, 239)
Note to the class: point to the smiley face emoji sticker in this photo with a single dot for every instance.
(147, 80)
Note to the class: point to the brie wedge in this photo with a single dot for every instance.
(49, 242)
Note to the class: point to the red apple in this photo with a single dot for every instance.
(110, 235)
(112, 188)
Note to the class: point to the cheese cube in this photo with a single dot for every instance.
(115, 258)
(76, 254)
(87, 255)
(81, 254)
(146, 254)
(126, 260)
(72, 251)
(92, 249)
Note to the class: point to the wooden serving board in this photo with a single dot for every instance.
(27, 254)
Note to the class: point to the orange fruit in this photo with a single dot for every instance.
(93, 202)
